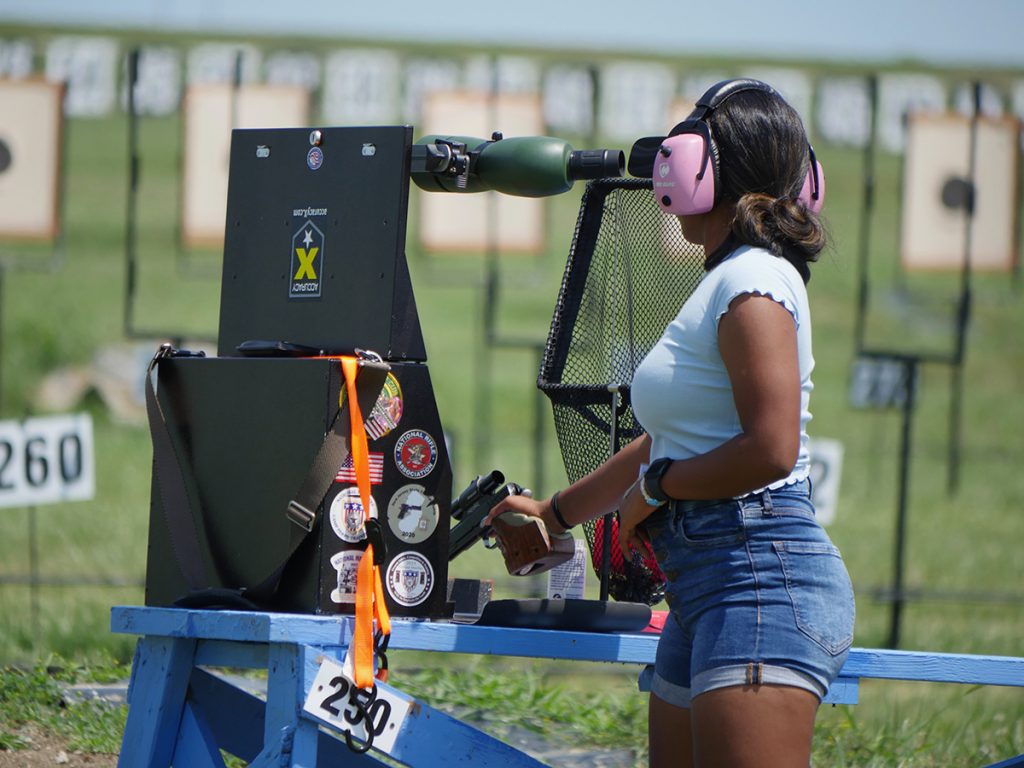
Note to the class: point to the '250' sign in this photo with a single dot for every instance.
(46, 460)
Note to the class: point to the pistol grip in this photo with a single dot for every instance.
(527, 545)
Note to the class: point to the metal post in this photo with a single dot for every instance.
(538, 432)
(964, 309)
(131, 205)
(606, 528)
(910, 377)
(867, 208)
(33, 576)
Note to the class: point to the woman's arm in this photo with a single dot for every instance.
(757, 341)
(589, 497)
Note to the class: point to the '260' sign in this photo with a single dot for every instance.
(46, 460)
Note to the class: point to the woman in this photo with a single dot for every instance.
(761, 607)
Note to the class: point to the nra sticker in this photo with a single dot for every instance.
(346, 563)
(412, 514)
(410, 578)
(315, 158)
(387, 411)
(416, 454)
(307, 262)
(347, 516)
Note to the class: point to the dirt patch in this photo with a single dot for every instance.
(46, 749)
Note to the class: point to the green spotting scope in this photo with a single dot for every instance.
(525, 166)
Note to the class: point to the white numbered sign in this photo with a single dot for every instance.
(826, 471)
(46, 460)
(330, 700)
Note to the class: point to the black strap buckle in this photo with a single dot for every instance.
(375, 536)
(302, 516)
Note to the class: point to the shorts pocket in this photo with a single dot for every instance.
(716, 525)
(821, 593)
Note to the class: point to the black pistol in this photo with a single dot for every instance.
(525, 542)
(472, 506)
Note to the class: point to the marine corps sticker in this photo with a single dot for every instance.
(307, 262)
(315, 158)
(346, 563)
(347, 518)
(410, 578)
(415, 454)
(412, 514)
(387, 411)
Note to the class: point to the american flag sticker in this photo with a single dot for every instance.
(347, 473)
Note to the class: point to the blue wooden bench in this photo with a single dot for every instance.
(181, 714)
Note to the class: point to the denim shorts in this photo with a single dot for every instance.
(757, 594)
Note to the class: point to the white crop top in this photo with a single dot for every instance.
(681, 392)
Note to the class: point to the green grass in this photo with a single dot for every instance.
(35, 696)
(962, 543)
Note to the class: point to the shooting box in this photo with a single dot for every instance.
(314, 258)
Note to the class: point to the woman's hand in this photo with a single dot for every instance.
(526, 505)
(633, 510)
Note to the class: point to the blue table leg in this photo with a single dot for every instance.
(196, 746)
(160, 675)
(234, 716)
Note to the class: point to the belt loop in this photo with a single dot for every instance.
(766, 500)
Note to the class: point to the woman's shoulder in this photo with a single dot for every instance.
(750, 269)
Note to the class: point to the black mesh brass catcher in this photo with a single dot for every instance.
(629, 271)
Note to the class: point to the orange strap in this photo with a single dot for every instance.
(369, 590)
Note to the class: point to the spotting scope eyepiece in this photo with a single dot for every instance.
(525, 166)
(596, 164)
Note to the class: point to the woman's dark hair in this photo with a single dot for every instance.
(763, 162)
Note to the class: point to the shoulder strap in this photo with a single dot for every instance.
(170, 482)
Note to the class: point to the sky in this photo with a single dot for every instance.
(984, 33)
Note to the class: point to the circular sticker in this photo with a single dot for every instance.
(347, 518)
(412, 514)
(346, 563)
(314, 158)
(410, 578)
(387, 411)
(416, 454)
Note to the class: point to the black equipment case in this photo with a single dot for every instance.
(314, 265)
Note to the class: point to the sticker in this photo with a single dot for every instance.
(307, 261)
(416, 454)
(347, 517)
(410, 578)
(347, 473)
(412, 514)
(387, 411)
(346, 563)
(314, 158)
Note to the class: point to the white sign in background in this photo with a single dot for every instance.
(826, 471)
(46, 460)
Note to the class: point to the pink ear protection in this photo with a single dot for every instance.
(685, 164)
